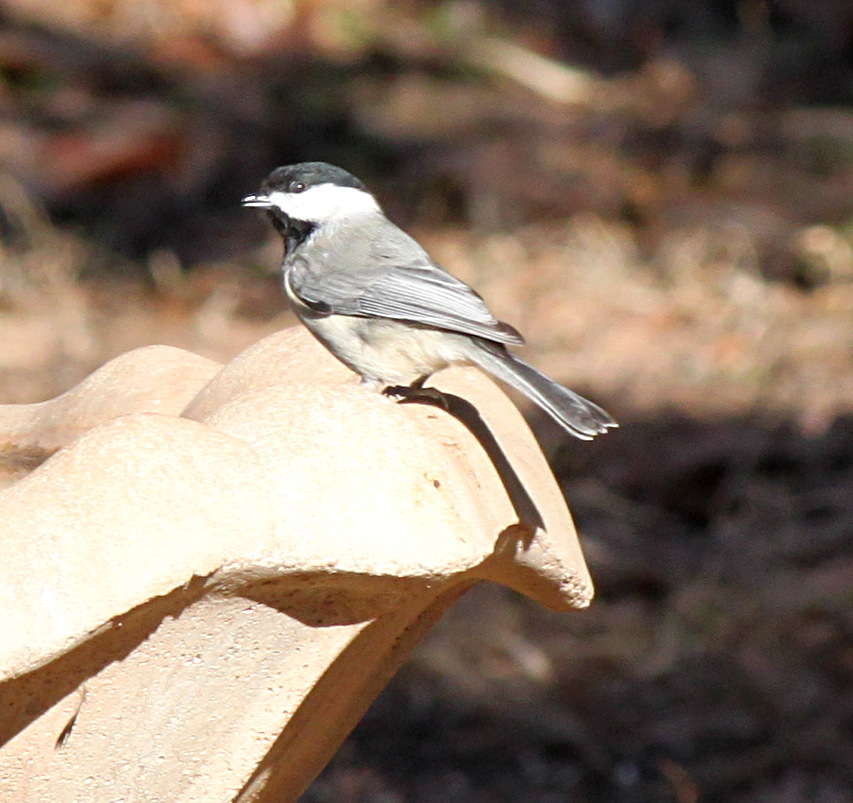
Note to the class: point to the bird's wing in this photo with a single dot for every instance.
(421, 293)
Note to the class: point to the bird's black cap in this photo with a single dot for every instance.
(311, 174)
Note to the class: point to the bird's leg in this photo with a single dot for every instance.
(416, 392)
(396, 392)
(401, 392)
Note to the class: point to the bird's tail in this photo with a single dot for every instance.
(579, 416)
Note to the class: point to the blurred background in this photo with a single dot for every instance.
(657, 193)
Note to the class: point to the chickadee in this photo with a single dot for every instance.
(375, 299)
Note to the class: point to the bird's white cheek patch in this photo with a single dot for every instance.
(323, 202)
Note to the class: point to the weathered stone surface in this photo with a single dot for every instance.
(210, 580)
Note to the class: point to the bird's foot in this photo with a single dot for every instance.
(416, 392)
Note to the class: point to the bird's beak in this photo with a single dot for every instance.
(259, 201)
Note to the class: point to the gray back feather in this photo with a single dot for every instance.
(374, 269)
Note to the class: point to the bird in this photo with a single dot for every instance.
(380, 304)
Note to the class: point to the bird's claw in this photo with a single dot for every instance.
(416, 392)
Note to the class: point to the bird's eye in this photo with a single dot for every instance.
(296, 186)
